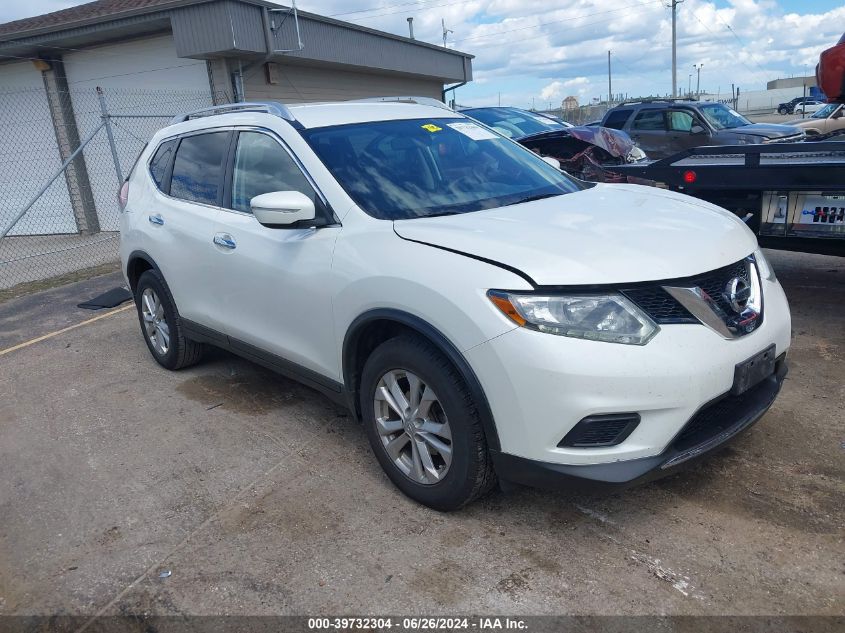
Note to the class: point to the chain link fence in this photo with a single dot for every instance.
(580, 115)
(62, 159)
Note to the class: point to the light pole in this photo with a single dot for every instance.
(689, 85)
(698, 68)
(674, 6)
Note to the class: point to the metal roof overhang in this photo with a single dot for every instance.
(233, 28)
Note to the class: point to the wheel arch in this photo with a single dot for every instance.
(136, 264)
(374, 327)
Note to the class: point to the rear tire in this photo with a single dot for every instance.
(423, 425)
(161, 325)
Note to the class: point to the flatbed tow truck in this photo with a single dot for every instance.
(792, 195)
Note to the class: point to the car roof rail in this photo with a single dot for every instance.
(267, 107)
(657, 100)
(429, 101)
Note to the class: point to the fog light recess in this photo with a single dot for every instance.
(596, 431)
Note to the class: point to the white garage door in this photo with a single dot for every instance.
(139, 77)
(29, 155)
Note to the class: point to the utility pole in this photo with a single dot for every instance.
(689, 85)
(698, 68)
(674, 7)
(609, 87)
(500, 99)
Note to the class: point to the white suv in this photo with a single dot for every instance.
(483, 313)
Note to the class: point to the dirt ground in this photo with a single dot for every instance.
(259, 496)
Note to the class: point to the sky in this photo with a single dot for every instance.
(537, 52)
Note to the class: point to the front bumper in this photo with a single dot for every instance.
(540, 386)
(711, 428)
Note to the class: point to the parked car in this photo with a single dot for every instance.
(809, 107)
(484, 314)
(789, 106)
(582, 151)
(665, 127)
(830, 118)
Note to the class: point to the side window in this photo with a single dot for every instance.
(680, 121)
(198, 168)
(262, 165)
(161, 161)
(617, 119)
(649, 120)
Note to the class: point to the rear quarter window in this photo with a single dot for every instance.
(617, 119)
(160, 163)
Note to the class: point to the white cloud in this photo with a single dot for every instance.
(557, 90)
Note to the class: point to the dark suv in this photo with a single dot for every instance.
(665, 127)
(789, 106)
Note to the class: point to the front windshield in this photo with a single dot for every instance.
(721, 117)
(513, 122)
(826, 111)
(398, 170)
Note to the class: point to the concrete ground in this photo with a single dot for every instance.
(125, 488)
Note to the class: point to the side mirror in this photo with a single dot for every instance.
(697, 129)
(281, 209)
(554, 162)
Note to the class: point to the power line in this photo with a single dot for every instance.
(426, 6)
(569, 19)
(695, 15)
(420, 3)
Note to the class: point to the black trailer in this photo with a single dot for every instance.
(791, 194)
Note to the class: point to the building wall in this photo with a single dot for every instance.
(29, 155)
(299, 84)
(792, 82)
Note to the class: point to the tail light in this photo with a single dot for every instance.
(123, 195)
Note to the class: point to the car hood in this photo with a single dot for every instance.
(615, 142)
(767, 130)
(607, 234)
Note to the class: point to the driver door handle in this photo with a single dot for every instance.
(225, 240)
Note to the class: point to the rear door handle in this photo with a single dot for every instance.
(225, 240)
(156, 219)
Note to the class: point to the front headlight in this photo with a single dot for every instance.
(763, 265)
(636, 154)
(608, 317)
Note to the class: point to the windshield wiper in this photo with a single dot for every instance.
(539, 196)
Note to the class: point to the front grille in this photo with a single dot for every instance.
(663, 308)
(720, 416)
(659, 305)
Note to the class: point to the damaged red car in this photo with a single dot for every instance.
(585, 152)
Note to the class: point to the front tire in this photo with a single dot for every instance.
(161, 324)
(423, 425)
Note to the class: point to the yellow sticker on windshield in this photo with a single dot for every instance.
(431, 127)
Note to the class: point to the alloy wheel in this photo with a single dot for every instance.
(413, 426)
(155, 323)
